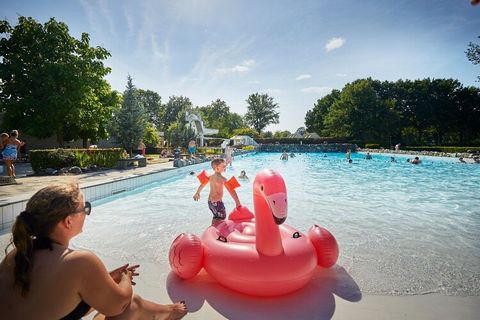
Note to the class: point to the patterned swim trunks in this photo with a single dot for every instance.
(218, 209)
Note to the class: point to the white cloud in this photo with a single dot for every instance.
(241, 68)
(303, 76)
(341, 75)
(318, 90)
(273, 91)
(334, 43)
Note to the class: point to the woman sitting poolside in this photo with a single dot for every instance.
(42, 278)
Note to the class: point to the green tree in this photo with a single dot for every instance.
(173, 122)
(217, 115)
(52, 81)
(130, 122)
(95, 116)
(261, 111)
(246, 132)
(473, 53)
(152, 103)
(175, 110)
(314, 118)
(150, 137)
(179, 134)
(281, 134)
(267, 134)
(360, 113)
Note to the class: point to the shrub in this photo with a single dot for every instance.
(451, 149)
(372, 146)
(61, 158)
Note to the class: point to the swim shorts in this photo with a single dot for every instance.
(218, 209)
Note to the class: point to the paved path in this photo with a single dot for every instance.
(28, 185)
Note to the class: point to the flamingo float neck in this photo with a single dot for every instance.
(270, 205)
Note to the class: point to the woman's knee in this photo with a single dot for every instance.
(136, 302)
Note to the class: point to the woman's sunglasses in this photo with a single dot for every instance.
(87, 208)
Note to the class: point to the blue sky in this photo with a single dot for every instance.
(294, 50)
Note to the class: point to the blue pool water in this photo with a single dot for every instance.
(402, 228)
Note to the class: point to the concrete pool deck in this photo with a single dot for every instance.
(322, 299)
(27, 184)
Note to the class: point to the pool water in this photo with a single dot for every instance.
(402, 229)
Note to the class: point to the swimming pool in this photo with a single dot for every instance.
(402, 229)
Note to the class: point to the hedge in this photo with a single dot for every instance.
(450, 149)
(62, 158)
(303, 140)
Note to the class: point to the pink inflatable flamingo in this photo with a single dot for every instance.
(256, 255)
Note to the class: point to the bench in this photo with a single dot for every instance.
(125, 163)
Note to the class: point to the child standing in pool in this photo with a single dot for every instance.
(217, 182)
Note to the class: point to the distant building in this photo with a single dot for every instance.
(196, 124)
(243, 140)
(302, 133)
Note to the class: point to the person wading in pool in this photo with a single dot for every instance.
(217, 182)
(42, 278)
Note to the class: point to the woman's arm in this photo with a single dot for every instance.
(18, 142)
(98, 288)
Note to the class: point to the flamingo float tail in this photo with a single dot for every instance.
(325, 245)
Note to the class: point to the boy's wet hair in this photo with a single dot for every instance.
(217, 161)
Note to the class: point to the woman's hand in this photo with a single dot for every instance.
(130, 271)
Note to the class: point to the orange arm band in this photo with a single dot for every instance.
(203, 177)
(232, 184)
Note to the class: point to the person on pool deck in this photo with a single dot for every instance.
(215, 198)
(192, 148)
(42, 278)
(229, 153)
(10, 152)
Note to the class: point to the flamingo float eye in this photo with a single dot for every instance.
(261, 187)
(273, 201)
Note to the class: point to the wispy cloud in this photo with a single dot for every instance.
(98, 15)
(341, 75)
(318, 90)
(90, 12)
(241, 68)
(161, 53)
(334, 43)
(107, 16)
(211, 56)
(303, 76)
(273, 91)
(127, 10)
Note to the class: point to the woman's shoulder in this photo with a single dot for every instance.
(82, 258)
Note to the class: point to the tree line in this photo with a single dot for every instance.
(419, 112)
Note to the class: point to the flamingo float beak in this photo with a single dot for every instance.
(278, 205)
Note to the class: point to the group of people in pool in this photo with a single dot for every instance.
(285, 155)
(368, 156)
